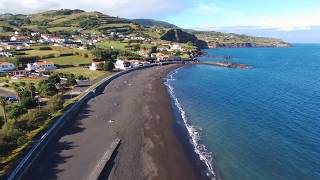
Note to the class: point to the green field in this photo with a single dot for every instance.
(115, 44)
(41, 53)
(68, 29)
(83, 71)
(70, 60)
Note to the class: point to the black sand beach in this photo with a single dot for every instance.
(135, 108)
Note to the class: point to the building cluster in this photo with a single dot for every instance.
(165, 51)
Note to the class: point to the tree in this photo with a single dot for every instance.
(32, 89)
(104, 54)
(28, 102)
(16, 111)
(47, 88)
(55, 103)
(3, 103)
(108, 66)
(71, 81)
(153, 49)
(31, 120)
(54, 78)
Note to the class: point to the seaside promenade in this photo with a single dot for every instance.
(134, 108)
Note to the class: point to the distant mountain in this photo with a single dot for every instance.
(152, 22)
(232, 40)
(66, 21)
(180, 36)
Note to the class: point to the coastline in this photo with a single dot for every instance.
(188, 135)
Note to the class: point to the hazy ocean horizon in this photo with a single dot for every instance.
(262, 123)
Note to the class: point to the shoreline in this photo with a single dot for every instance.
(188, 135)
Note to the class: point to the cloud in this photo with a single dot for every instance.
(123, 8)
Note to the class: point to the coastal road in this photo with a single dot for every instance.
(134, 108)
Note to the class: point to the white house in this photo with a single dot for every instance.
(95, 66)
(119, 65)
(18, 38)
(41, 66)
(6, 66)
(176, 47)
(135, 63)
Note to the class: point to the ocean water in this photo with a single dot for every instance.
(257, 124)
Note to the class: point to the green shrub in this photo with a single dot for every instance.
(19, 53)
(48, 56)
(55, 103)
(31, 120)
(45, 48)
(16, 111)
(54, 78)
(28, 102)
(66, 54)
(108, 66)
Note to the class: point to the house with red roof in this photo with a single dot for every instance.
(41, 66)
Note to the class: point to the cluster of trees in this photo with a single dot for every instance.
(68, 75)
(21, 121)
(105, 54)
(22, 117)
(109, 56)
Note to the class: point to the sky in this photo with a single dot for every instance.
(277, 18)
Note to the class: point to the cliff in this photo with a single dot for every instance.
(231, 40)
(180, 36)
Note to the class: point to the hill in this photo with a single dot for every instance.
(74, 22)
(218, 39)
(67, 21)
(152, 22)
(180, 36)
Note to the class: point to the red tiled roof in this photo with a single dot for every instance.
(43, 63)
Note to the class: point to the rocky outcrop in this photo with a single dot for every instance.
(247, 45)
(180, 36)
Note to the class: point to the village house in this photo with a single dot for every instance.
(18, 74)
(96, 66)
(40, 66)
(160, 56)
(18, 38)
(143, 53)
(47, 38)
(135, 63)
(119, 65)
(176, 47)
(6, 66)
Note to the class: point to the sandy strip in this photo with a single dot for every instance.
(150, 150)
(135, 108)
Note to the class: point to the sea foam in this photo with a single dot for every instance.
(194, 132)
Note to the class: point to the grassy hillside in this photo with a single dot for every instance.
(69, 22)
(72, 21)
(152, 22)
(218, 39)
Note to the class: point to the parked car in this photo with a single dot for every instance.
(11, 98)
